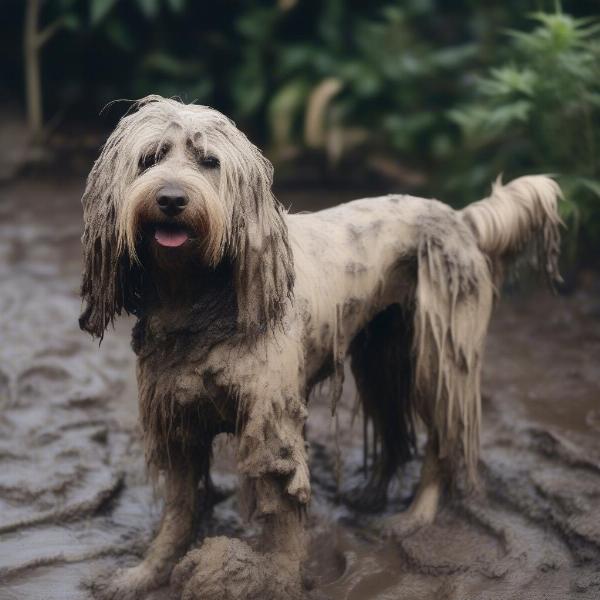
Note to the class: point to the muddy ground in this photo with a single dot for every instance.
(74, 499)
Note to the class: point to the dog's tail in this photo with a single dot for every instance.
(519, 215)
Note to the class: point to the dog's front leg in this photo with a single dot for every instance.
(283, 535)
(276, 485)
(275, 491)
(175, 534)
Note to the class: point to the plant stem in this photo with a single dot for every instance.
(33, 91)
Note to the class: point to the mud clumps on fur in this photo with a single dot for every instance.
(452, 310)
(229, 569)
(355, 268)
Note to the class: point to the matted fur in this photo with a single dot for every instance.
(249, 227)
(453, 300)
(237, 326)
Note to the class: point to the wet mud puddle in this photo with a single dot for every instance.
(74, 499)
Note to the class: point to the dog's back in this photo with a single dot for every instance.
(406, 286)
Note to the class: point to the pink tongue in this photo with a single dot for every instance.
(170, 238)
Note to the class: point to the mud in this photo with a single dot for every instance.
(75, 501)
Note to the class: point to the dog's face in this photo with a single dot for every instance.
(173, 205)
(181, 183)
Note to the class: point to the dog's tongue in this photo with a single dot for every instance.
(170, 238)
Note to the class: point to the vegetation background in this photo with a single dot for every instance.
(431, 97)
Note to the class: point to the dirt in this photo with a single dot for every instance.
(75, 500)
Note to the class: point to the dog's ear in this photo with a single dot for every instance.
(264, 268)
(110, 283)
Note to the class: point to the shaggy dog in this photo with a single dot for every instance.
(242, 309)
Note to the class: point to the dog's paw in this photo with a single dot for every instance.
(229, 569)
(127, 584)
(184, 570)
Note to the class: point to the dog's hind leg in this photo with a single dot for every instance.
(453, 301)
(380, 361)
(176, 532)
(424, 506)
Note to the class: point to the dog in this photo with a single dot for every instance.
(242, 309)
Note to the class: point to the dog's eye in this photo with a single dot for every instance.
(147, 161)
(152, 158)
(209, 162)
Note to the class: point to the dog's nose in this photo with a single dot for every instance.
(171, 200)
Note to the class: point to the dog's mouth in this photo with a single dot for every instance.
(171, 235)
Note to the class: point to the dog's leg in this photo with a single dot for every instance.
(283, 534)
(275, 488)
(453, 302)
(424, 506)
(382, 370)
(232, 568)
(175, 534)
(276, 484)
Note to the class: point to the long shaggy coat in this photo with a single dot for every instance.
(238, 322)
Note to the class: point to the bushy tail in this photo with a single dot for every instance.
(515, 216)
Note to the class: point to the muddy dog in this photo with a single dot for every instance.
(242, 309)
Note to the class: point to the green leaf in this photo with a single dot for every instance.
(99, 9)
(120, 35)
(172, 66)
(508, 80)
(454, 57)
(176, 5)
(593, 185)
(71, 22)
(66, 4)
(149, 8)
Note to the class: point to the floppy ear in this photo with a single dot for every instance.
(263, 261)
(110, 283)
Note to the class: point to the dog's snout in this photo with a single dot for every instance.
(171, 200)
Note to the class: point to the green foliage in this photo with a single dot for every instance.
(540, 111)
(448, 94)
(99, 9)
(390, 76)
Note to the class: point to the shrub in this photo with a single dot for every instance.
(539, 111)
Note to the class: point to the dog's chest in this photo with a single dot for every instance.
(174, 351)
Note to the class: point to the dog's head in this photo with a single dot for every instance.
(182, 183)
